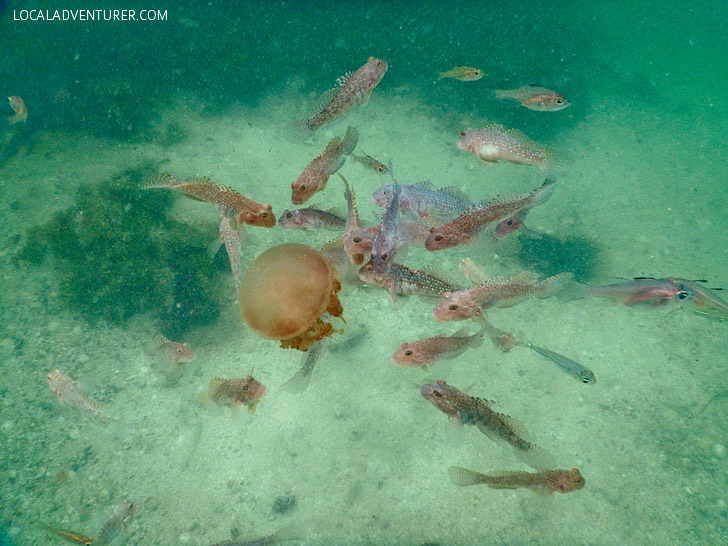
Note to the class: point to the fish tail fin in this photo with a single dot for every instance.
(535, 457)
(554, 285)
(463, 476)
(300, 130)
(555, 164)
(117, 428)
(544, 192)
(351, 139)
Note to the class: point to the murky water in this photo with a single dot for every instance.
(94, 271)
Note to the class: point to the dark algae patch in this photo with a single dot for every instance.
(118, 252)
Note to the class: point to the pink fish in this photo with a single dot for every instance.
(314, 177)
(426, 352)
(228, 202)
(534, 97)
(496, 292)
(495, 143)
(467, 226)
(177, 353)
(237, 392)
(21, 112)
(352, 89)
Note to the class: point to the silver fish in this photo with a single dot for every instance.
(571, 367)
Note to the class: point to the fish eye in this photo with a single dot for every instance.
(682, 295)
(357, 239)
(559, 101)
(438, 238)
(437, 394)
(408, 352)
(462, 133)
(303, 187)
(385, 257)
(289, 214)
(585, 380)
(509, 222)
(453, 307)
(264, 215)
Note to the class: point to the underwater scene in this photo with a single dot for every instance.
(392, 273)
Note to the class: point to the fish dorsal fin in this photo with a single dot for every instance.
(516, 426)
(455, 193)
(524, 277)
(314, 206)
(435, 273)
(522, 138)
(341, 80)
(424, 184)
(333, 244)
(462, 332)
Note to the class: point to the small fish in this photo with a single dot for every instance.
(401, 280)
(466, 227)
(69, 392)
(426, 352)
(496, 292)
(21, 112)
(496, 143)
(352, 89)
(421, 200)
(571, 367)
(228, 202)
(387, 242)
(549, 481)
(356, 243)
(71, 536)
(285, 535)
(534, 97)
(648, 291)
(314, 177)
(464, 409)
(235, 392)
(119, 520)
(177, 353)
(311, 217)
(463, 73)
(370, 163)
(299, 382)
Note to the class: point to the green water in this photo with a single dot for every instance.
(209, 92)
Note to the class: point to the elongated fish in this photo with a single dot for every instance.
(352, 89)
(571, 367)
(119, 520)
(426, 352)
(496, 292)
(549, 481)
(314, 177)
(464, 409)
(466, 227)
(228, 202)
(401, 280)
(386, 243)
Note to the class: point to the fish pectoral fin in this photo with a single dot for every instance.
(487, 161)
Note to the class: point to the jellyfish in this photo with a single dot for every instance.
(287, 294)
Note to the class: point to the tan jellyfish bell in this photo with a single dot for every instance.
(284, 293)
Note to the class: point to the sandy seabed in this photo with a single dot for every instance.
(363, 453)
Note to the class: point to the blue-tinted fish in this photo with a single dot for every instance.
(420, 199)
(386, 243)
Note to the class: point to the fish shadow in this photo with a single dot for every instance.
(550, 255)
